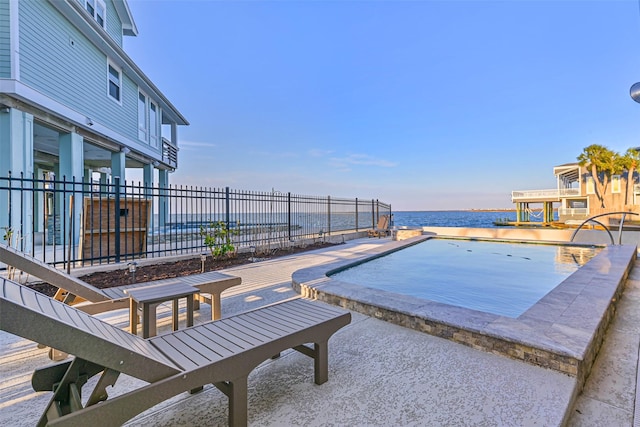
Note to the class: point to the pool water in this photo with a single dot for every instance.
(500, 278)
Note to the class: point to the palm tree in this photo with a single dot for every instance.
(601, 162)
(630, 161)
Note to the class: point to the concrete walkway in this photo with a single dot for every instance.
(379, 374)
(609, 395)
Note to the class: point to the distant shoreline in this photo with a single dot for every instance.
(476, 210)
(505, 210)
(493, 210)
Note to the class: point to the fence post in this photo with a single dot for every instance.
(289, 215)
(71, 229)
(20, 232)
(116, 184)
(10, 206)
(328, 215)
(226, 207)
(356, 214)
(373, 214)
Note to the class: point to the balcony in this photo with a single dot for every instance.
(543, 195)
(169, 153)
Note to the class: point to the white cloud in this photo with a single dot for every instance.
(275, 154)
(187, 145)
(318, 152)
(361, 159)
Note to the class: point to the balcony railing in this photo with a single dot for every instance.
(573, 212)
(544, 194)
(169, 153)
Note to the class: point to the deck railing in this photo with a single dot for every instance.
(169, 153)
(544, 194)
(66, 221)
(573, 212)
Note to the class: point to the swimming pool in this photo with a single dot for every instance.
(563, 330)
(495, 277)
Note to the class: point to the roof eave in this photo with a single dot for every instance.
(129, 27)
(74, 12)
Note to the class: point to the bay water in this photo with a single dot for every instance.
(472, 219)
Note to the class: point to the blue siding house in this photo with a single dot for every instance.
(72, 102)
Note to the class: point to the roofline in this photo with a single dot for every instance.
(128, 24)
(75, 13)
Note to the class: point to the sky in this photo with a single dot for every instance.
(426, 105)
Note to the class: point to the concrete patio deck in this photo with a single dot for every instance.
(379, 373)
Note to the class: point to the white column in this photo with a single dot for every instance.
(163, 203)
(118, 166)
(147, 171)
(71, 156)
(16, 156)
(38, 208)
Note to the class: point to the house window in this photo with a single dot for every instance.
(147, 120)
(100, 12)
(142, 116)
(91, 7)
(591, 187)
(153, 124)
(615, 183)
(97, 9)
(577, 204)
(114, 76)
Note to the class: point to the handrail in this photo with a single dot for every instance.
(624, 215)
(543, 194)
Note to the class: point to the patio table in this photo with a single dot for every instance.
(149, 297)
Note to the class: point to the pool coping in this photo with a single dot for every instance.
(562, 331)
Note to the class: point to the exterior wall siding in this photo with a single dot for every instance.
(114, 25)
(58, 61)
(5, 41)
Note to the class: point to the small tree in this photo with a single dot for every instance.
(630, 162)
(8, 237)
(601, 162)
(219, 239)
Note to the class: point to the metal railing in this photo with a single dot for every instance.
(80, 223)
(169, 153)
(593, 219)
(573, 211)
(544, 194)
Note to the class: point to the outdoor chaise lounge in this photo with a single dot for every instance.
(382, 228)
(222, 353)
(73, 290)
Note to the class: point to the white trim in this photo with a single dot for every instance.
(104, 11)
(14, 39)
(37, 99)
(145, 108)
(120, 85)
(94, 5)
(154, 135)
(151, 135)
(111, 49)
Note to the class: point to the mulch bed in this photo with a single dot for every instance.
(106, 279)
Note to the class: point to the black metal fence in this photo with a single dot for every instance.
(83, 223)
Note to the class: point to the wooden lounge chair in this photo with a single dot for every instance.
(222, 353)
(382, 228)
(73, 290)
